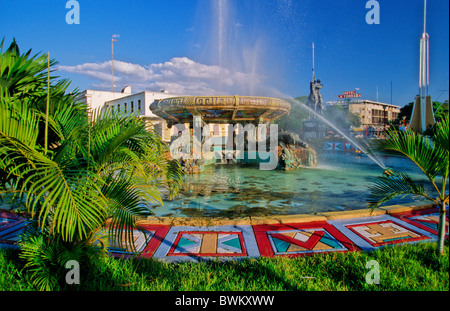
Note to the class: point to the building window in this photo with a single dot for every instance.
(139, 105)
(132, 106)
(118, 108)
(125, 107)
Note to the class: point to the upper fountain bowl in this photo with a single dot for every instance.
(220, 109)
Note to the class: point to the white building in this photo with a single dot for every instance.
(96, 99)
(137, 104)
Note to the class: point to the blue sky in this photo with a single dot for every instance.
(246, 47)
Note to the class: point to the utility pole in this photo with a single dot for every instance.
(47, 105)
(112, 61)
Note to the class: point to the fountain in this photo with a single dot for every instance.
(306, 182)
(248, 119)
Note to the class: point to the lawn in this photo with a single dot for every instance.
(404, 267)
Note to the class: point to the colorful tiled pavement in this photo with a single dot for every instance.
(11, 227)
(188, 239)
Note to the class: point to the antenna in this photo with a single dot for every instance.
(112, 60)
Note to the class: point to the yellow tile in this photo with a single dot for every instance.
(209, 243)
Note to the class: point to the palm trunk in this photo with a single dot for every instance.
(441, 229)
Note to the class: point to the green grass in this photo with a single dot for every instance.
(403, 267)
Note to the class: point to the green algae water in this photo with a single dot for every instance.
(340, 182)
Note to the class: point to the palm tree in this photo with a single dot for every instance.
(96, 168)
(431, 156)
(134, 167)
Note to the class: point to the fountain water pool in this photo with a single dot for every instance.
(236, 191)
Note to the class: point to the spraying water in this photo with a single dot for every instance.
(236, 50)
(372, 156)
(222, 13)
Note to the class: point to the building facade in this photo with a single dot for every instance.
(374, 116)
(128, 103)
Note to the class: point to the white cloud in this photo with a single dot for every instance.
(180, 75)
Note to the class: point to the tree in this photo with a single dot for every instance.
(93, 170)
(431, 156)
(293, 121)
(405, 112)
(341, 117)
(440, 110)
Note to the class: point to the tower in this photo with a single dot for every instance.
(422, 115)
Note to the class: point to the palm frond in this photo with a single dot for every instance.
(126, 202)
(123, 142)
(69, 193)
(67, 190)
(441, 140)
(396, 184)
(418, 148)
(18, 120)
(23, 76)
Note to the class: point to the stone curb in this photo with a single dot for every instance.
(284, 219)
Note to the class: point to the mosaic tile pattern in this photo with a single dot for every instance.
(11, 227)
(300, 239)
(384, 232)
(229, 242)
(140, 241)
(373, 232)
(208, 244)
(146, 241)
(191, 243)
(425, 219)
